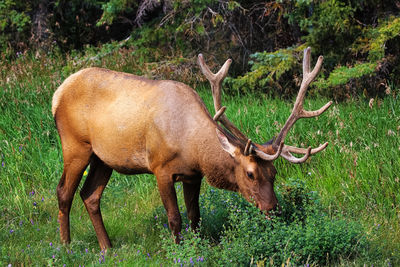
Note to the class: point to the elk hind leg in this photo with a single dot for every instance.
(76, 159)
(191, 192)
(96, 181)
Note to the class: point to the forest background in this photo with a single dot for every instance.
(359, 39)
(342, 207)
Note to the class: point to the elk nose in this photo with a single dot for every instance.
(266, 207)
(274, 210)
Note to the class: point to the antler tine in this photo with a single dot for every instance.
(269, 157)
(216, 81)
(286, 155)
(248, 149)
(219, 113)
(298, 150)
(299, 112)
(217, 77)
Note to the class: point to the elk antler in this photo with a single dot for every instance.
(216, 82)
(299, 112)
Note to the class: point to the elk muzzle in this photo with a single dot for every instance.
(271, 208)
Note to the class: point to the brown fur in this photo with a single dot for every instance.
(119, 121)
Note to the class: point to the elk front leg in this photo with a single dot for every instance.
(168, 197)
(91, 192)
(191, 192)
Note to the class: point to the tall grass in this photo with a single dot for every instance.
(356, 177)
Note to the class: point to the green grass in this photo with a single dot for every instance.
(356, 177)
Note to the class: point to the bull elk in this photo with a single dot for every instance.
(118, 121)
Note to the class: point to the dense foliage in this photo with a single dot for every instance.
(359, 39)
(302, 234)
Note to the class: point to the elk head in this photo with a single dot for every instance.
(254, 170)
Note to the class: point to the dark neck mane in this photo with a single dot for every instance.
(216, 164)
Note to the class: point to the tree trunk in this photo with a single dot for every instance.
(41, 33)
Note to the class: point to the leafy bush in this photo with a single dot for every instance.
(14, 25)
(235, 232)
(331, 28)
(270, 72)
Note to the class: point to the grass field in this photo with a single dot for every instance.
(356, 179)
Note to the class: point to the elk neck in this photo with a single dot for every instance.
(216, 164)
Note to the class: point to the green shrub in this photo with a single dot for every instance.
(269, 73)
(360, 59)
(14, 26)
(237, 233)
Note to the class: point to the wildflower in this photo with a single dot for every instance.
(42, 199)
(165, 225)
(11, 231)
(20, 223)
(191, 261)
(2, 164)
(54, 257)
(51, 244)
(34, 203)
(155, 217)
(20, 148)
(86, 250)
(32, 193)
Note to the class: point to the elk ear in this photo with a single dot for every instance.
(226, 145)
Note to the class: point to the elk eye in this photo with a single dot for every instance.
(250, 175)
